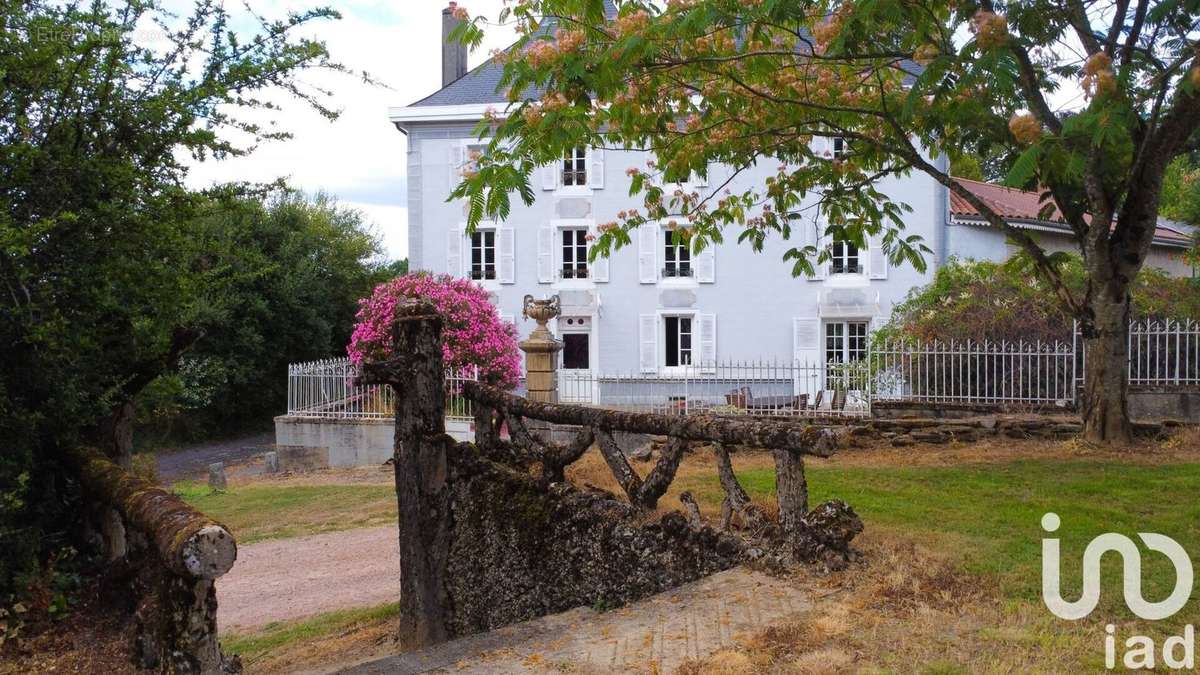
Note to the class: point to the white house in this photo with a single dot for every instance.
(652, 308)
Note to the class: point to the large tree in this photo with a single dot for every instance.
(103, 105)
(740, 82)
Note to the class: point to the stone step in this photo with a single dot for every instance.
(656, 634)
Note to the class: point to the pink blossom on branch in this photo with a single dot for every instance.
(472, 332)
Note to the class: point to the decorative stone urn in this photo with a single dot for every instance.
(541, 350)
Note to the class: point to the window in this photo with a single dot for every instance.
(844, 259)
(471, 161)
(575, 167)
(678, 330)
(483, 254)
(575, 351)
(574, 254)
(677, 257)
(845, 341)
(838, 146)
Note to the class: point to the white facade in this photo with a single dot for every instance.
(650, 307)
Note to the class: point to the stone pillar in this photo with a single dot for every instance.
(417, 375)
(541, 351)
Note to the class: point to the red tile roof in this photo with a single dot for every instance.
(1021, 205)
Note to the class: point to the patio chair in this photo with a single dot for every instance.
(739, 398)
(839, 400)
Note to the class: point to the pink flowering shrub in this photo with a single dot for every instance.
(472, 332)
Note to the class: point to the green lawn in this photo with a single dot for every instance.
(990, 514)
(258, 512)
(254, 645)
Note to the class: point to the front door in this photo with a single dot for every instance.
(575, 375)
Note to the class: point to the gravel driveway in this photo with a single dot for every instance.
(192, 461)
(289, 579)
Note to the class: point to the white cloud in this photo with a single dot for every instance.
(359, 158)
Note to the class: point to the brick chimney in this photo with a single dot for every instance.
(454, 54)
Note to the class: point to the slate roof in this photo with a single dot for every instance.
(480, 84)
(1021, 205)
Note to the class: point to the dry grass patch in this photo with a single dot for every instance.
(906, 609)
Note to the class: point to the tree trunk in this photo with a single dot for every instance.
(1105, 409)
(116, 435)
(791, 490)
(420, 471)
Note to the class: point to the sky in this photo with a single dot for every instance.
(360, 158)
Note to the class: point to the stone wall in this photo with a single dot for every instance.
(1145, 403)
(348, 442)
(1181, 405)
(519, 550)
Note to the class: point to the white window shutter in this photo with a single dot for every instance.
(545, 254)
(648, 343)
(806, 350)
(648, 238)
(550, 175)
(706, 272)
(708, 343)
(456, 165)
(877, 263)
(595, 168)
(507, 255)
(454, 251)
(598, 267)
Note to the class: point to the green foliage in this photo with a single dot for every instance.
(973, 300)
(967, 166)
(97, 295)
(1181, 198)
(704, 84)
(276, 281)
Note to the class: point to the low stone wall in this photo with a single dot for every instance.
(884, 409)
(345, 442)
(1181, 405)
(1147, 404)
(910, 431)
(519, 550)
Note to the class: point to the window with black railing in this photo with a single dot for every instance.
(845, 259)
(677, 258)
(575, 167)
(574, 254)
(483, 255)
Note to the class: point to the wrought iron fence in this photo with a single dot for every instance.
(974, 372)
(1161, 354)
(329, 389)
(1164, 353)
(762, 388)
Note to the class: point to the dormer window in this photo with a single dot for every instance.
(574, 169)
(844, 258)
